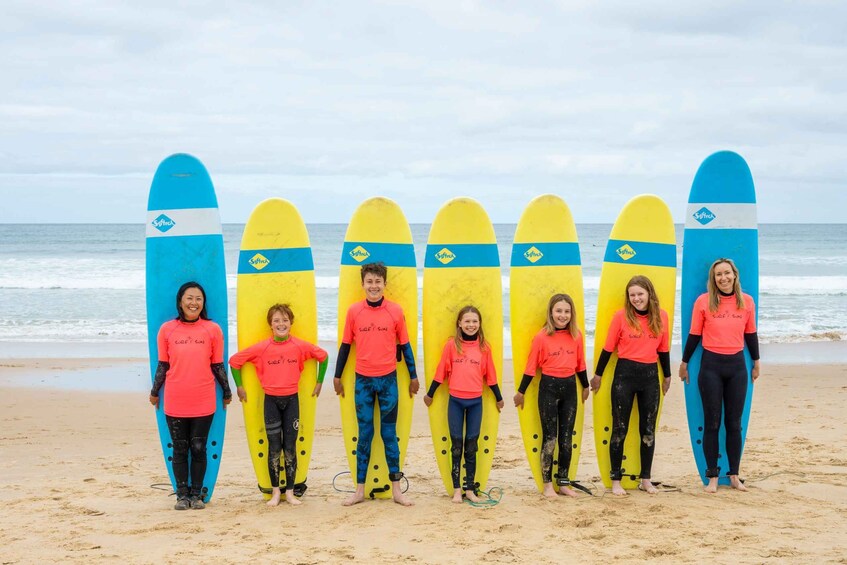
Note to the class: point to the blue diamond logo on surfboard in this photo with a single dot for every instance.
(359, 254)
(163, 223)
(625, 252)
(533, 254)
(704, 215)
(445, 256)
(259, 261)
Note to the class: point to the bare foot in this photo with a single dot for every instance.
(736, 483)
(457, 496)
(712, 487)
(291, 499)
(568, 491)
(549, 491)
(648, 487)
(401, 500)
(617, 489)
(358, 497)
(274, 501)
(471, 495)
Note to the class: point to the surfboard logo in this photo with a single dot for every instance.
(445, 256)
(704, 215)
(533, 254)
(163, 223)
(359, 254)
(625, 252)
(259, 261)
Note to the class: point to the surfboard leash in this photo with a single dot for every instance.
(373, 491)
(493, 496)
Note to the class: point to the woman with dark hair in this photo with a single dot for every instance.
(191, 351)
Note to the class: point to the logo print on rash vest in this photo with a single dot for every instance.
(704, 215)
(163, 223)
(625, 252)
(359, 254)
(259, 261)
(445, 256)
(533, 254)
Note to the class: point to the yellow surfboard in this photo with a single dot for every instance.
(545, 261)
(275, 266)
(378, 231)
(642, 242)
(462, 266)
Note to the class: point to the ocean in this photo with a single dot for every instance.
(83, 284)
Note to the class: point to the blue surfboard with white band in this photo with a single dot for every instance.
(184, 243)
(720, 221)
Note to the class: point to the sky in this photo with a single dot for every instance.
(329, 103)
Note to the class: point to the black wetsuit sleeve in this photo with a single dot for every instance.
(602, 362)
(525, 384)
(495, 388)
(690, 346)
(219, 370)
(752, 341)
(583, 378)
(341, 361)
(433, 386)
(159, 379)
(409, 355)
(665, 363)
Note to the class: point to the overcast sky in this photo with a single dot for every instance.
(328, 103)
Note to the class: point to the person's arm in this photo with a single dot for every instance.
(322, 365)
(409, 356)
(219, 372)
(158, 382)
(691, 344)
(239, 387)
(602, 361)
(752, 342)
(341, 360)
(665, 363)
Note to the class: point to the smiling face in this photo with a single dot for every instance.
(191, 303)
(374, 286)
(724, 277)
(469, 323)
(561, 314)
(281, 325)
(638, 297)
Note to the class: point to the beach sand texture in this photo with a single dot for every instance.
(76, 469)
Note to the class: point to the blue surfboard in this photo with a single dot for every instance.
(720, 221)
(185, 243)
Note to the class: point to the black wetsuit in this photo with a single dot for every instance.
(282, 421)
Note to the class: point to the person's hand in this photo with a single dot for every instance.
(242, 394)
(317, 391)
(500, 404)
(226, 401)
(585, 392)
(154, 400)
(683, 372)
(595, 383)
(518, 400)
(427, 400)
(755, 372)
(414, 386)
(339, 388)
(666, 385)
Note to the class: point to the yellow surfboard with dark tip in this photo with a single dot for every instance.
(275, 266)
(461, 267)
(642, 242)
(545, 261)
(377, 232)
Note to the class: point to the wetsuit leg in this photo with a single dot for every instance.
(622, 398)
(567, 418)
(710, 384)
(180, 429)
(456, 425)
(648, 410)
(199, 432)
(473, 423)
(273, 427)
(387, 397)
(290, 427)
(548, 401)
(365, 417)
(734, 395)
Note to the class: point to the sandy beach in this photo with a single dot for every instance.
(78, 463)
